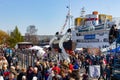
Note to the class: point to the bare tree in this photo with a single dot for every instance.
(31, 34)
(31, 30)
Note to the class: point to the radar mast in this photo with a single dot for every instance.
(82, 13)
(69, 14)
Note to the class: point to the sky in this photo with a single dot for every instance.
(49, 15)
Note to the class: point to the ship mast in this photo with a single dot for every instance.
(69, 16)
(69, 20)
(82, 12)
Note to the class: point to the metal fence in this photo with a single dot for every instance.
(26, 58)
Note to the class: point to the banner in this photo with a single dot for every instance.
(94, 71)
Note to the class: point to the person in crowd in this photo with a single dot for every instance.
(12, 69)
(71, 67)
(5, 72)
(108, 72)
(85, 76)
(14, 60)
(87, 66)
(9, 59)
(11, 76)
(57, 76)
(3, 61)
(17, 69)
(56, 68)
(59, 70)
(45, 68)
(1, 77)
(50, 77)
(75, 74)
(65, 75)
(40, 67)
(22, 74)
(101, 69)
(29, 72)
(76, 65)
(49, 70)
(36, 74)
(24, 78)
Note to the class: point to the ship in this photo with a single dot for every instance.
(90, 31)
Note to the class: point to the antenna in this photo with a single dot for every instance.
(69, 14)
(82, 12)
(69, 17)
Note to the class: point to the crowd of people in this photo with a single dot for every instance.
(47, 69)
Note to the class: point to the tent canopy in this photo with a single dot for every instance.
(40, 52)
(46, 46)
(36, 48)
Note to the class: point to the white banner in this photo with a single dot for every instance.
(94, 71)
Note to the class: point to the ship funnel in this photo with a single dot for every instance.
(96, 20)
(95, 13)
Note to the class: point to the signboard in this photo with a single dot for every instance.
(91, 36)
(94, 71)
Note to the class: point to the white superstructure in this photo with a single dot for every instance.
(92, 31)
(91, 39)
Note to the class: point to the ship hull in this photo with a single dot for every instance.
(91, 39)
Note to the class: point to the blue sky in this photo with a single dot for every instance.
(48, 15)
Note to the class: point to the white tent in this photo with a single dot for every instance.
(36, 48)
(46, 46)
(40, 53)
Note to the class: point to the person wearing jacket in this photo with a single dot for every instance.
(36, 74)
(22, 73)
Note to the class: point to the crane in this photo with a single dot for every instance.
(63, 53)
(67, 36)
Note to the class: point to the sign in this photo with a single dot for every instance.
(91, 36)
(87, 41)
(94, 71)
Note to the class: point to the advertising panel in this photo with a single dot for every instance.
(94, 71)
